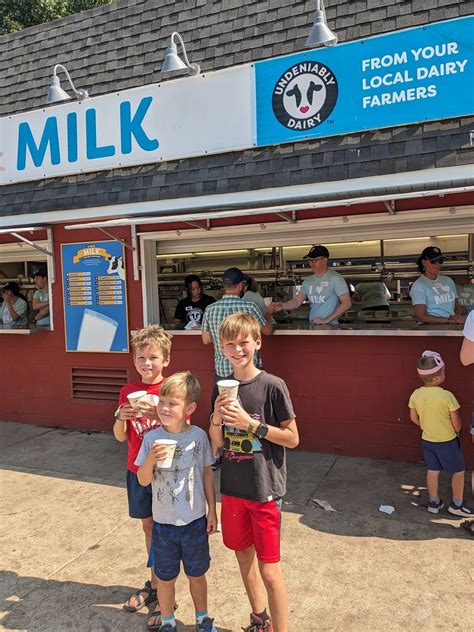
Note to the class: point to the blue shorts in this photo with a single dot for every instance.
(443, 455)
(139, 497)
(171, 544)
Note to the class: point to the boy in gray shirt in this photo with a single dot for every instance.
(180, 493)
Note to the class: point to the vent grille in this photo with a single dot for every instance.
(101, 384)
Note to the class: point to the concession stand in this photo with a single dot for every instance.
(365, 147)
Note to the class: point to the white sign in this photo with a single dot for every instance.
(185, 117)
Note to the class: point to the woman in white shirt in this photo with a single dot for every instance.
(14, 307)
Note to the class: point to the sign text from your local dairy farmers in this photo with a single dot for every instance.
(399, 82)
(130, 125)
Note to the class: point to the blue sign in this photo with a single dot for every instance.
(95, 297)
(419, 74)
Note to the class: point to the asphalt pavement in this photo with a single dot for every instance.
(71, 556)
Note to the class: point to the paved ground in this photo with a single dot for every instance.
(71, 556)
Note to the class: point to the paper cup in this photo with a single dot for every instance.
(170, 450)
(135, 397)
(268, 300)
(231, 387)
(150, 398)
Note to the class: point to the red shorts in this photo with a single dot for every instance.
(247, 522)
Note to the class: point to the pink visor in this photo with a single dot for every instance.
(439, 364)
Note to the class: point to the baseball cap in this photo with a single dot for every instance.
(233, 276)
(11, 285)
(39, 272)
(432, 253)
(317, 251)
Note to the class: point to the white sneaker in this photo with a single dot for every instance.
(462, 511)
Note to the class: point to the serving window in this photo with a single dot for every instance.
(365, 253)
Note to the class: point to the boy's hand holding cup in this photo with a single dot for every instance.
(162, 452)
(146, 406)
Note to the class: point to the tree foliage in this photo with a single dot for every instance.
(20, 14)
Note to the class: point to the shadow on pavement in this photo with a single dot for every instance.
(32, 604)
(356, 487)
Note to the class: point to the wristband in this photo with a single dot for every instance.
(211, 421)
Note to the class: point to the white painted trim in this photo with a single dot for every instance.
(429, 179)
(322, 230)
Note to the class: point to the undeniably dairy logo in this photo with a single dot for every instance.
(305, 95)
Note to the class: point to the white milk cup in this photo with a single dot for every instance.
(267, 300)
(230, 387)
(135, 397)
(170, 450)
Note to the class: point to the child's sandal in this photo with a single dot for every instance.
(140, 599)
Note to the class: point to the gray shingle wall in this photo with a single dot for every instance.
(121, 46)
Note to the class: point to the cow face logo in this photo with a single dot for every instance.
(305, 95)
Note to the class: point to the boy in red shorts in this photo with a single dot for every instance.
(254, 431)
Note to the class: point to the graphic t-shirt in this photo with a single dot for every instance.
(178, 492)
(21, 307)
(254, 468)
(466, 296)
(468, 330)
(323, 293)
(438, 295)
(188, 311)
(433, 405)
(138, 427)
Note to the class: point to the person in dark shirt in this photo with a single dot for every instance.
(254, 431)
(190, 310)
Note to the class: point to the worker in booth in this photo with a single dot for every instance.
(326, 290)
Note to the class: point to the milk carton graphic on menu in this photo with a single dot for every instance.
(97, 332)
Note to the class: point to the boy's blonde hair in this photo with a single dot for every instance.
(152, 336)
(183, 385)
(427, 362)
(238, 325)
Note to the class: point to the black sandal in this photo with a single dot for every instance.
(142, 601)
(154, 626)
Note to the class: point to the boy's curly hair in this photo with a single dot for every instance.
(183, 385)
(152, 335)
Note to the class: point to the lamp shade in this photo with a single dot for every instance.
(172, 60)
(321, 34)
(55, 92)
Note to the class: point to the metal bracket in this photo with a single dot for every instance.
(109, 234)
(133, 247)
(390, 206)
(32, 244)
(291, 219)
(195, 225)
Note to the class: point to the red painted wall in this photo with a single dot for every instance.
(350, 393)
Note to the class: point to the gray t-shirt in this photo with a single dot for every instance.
(178, 492)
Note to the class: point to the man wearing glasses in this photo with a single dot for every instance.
(325, 289)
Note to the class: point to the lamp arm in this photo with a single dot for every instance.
(195, 68)
(80, 94)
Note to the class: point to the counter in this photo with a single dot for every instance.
(25, 331)
(304, 329)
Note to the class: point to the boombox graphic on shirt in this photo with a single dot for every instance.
(241, 441)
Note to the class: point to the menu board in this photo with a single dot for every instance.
(95, 297)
